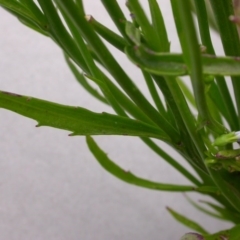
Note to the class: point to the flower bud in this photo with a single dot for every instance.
(192, 236)
(227, 138)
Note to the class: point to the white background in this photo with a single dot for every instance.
(51, 187)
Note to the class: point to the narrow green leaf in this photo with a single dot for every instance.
(132, 15)
(203, 25)
(230, 38)
(31, 5)
(218, 92)
(204, 210)
(229, 189)
(80, 6)
(93, 68)
(186, 91)
(126, 103)
(109, 95)
(127, 176)
(60, 35)
(78, 120)
(192, 57)
(226, 214)
(228, 31)
(187, 120)
(17, 7)
(110, 36)
(215, 113)
(155, 96)
(81, 79)
(159, 25)
(31, 23)
(172, 64)
(133, 33)
(210, 15)
(116, 15)
(187, 222)
(220, 96)
(148, 31)
(229, 234)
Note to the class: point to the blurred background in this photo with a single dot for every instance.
(51, 187)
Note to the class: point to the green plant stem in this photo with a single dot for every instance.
(80, 6)
(189, 43)
(154, 94)
(202, 16)
(159, 26)
(181, 111)
(172, 107)
(186, 91)
(229, 36)
(223, 104)
(186, 115)
(117, 16)
(149, 33)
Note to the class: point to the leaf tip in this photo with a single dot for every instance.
(73, 134)
(168, 208)
(39, 125)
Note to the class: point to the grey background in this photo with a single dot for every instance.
(51, 187)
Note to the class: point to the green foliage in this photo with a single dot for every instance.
(127, 176)
(186, 221)
(78, 120)
(202, 135)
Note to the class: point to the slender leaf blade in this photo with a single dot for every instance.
(159, 25)
(226, 213)
(204, 210)
(127, 176)
(229, 234)
(18, 8)
(76, 119)
(133, 33)
(227, 184)
(187, 222)
(84, 83)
